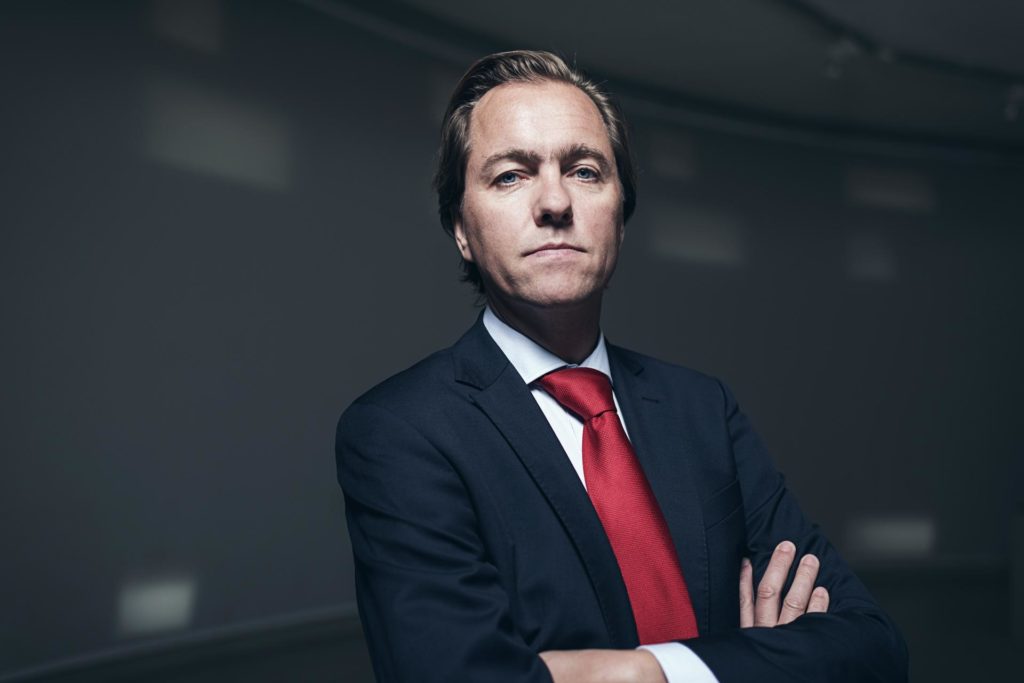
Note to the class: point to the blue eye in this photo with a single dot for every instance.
(507, 178)
(585, 173)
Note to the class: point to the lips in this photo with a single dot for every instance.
(554, 247)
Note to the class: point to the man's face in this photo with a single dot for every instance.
(542, 209)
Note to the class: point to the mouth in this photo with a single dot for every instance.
(554, 249)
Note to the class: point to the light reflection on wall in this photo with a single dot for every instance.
(155, 606)
(702, 235)
(890, 189)
(195, 129)
(892, 538)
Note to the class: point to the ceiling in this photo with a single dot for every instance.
(986, 33)
(934, 71)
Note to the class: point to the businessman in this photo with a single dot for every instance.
(534, 503)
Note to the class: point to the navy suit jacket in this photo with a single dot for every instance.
(476, 546)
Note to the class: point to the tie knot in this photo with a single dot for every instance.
(583, 391)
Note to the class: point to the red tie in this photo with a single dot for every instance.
(626, 506)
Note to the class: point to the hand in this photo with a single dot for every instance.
(801, 599)
(603, 666)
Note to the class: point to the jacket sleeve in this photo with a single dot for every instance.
(854, 641)
(431, 602)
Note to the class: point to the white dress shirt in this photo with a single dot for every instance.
(532, 361)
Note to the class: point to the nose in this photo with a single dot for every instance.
(554, 205)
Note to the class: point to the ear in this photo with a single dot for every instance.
(460, 239)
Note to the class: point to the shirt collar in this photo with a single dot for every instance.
(531, 360)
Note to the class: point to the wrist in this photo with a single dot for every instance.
(647, 667)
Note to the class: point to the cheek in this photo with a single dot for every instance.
(607, 221)
(491, 246)
(492, 225)
(476, 238)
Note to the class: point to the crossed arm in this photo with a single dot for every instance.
(765, 609)
(855, 641)
(422, 564)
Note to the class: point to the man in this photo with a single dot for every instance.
(533, 503)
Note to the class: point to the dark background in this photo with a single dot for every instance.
(218, 230)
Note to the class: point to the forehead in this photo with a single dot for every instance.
(539, 117)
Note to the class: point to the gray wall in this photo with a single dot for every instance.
(218, 230)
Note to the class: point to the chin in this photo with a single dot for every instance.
(561, 297)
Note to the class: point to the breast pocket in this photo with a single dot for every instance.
(722, 505)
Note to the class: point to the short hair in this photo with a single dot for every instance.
(522, 66)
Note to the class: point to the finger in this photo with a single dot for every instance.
(819, 600)
(799, 595)
(766, 606)
(746, 594)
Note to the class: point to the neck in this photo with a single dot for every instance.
(569, 332)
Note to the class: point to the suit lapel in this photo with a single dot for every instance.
(508, 403)
(656, 430)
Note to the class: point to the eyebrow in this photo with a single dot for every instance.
(567, 155)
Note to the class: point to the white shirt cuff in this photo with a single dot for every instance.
(680, 664)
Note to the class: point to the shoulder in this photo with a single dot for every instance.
(698, 394)
(413, 391)
(397, 422)
(668, 376)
